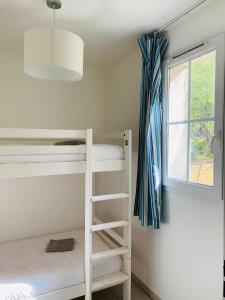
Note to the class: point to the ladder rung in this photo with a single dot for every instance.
(109, 281)
(109, 225)
(109, 253)
(109, 197)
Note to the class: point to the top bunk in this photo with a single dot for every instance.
(42, 152)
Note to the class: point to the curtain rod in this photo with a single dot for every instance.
(188, 51)
(180, 16)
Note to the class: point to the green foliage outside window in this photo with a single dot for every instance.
(202, 106)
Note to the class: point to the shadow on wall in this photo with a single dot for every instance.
(165, 214)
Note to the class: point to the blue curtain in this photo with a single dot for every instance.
(148, 199)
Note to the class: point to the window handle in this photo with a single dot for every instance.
(216, 137)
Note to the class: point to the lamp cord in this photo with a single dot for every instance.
(52, 35)
(53, 17)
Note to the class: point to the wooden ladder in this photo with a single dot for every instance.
(125, 249)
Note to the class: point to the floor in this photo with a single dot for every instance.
(115, 293)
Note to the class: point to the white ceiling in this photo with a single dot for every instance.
(109, 27)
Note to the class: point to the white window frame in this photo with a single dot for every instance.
(215, 192)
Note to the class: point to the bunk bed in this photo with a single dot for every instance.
(102, 257)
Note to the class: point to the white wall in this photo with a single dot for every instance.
(28, 102)
(35, 206)
(184, 259)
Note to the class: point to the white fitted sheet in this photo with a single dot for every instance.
(100, 152)
(27, 271)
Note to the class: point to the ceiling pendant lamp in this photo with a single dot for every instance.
(52, 53)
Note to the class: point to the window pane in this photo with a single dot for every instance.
(203, 86)
(201, 168)
(177, 151)
(178, 93)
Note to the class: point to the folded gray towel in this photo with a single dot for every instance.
(60, 245)
(72, 143)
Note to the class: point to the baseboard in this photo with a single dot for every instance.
(144, 287)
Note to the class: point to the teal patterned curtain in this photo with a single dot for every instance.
(149, 176)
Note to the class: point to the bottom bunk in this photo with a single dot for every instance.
(27, 272)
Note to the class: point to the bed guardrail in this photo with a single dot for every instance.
(32, 134)
(54, 134)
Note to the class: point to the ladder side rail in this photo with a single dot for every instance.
(88, 215)
(127, 212)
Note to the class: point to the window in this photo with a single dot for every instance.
(193, 120)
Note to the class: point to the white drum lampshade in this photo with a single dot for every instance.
(54, 54)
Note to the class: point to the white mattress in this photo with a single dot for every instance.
(100, 152)
(26, 270)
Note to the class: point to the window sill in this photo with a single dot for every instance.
(185, 191)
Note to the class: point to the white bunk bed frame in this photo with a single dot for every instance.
(92, 224)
